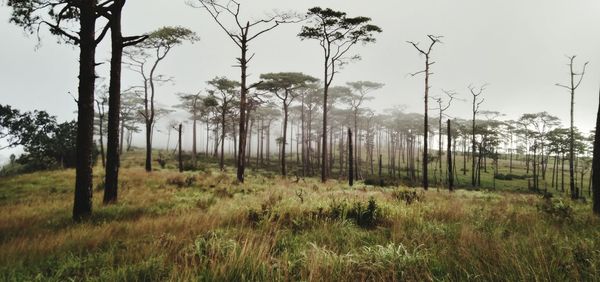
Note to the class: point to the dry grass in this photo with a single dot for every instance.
(216, 229)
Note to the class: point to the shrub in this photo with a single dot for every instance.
(556, 209)
(181, 181)
(408, 197)
(367, 216)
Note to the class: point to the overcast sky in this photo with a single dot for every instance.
(516, 46)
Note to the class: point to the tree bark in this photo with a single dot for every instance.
(82, 206)
(111, 180)
(449, 153)
(179, 155)
(350, 161)
(596, 168)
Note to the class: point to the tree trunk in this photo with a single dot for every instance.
(179, 142)
(426, 126)
(449, 153)
(82, 205)
(285, 121)
(350, 161)
(596, 168)
(111, 180)
(241, 160)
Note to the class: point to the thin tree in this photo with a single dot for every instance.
(350, 162)
(144, 60)
(192, 104)
(443, 106)
(179, 130)
(475, 109)
(223, 91)
(427, 71)
(241, 32)
(101, 106)
(357, 97)
(336, 34)
(286, 87)
(449, 154)
(575, 81)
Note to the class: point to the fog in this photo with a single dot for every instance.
(518, 47)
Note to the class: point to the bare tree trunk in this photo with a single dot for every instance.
(350, 161)
(285, 121)
(449, 153)
(180, 157)
(82, 206)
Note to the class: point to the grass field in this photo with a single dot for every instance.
(204, 226)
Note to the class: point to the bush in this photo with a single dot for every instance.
(182, 181)
(501, 176)
(408, 197)
(556, 209)
(368, 216)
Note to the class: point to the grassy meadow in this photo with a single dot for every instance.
(203, 226)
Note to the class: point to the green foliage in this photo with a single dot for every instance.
(556, 209)
(169, 36)
(336, 26)
(47, 144)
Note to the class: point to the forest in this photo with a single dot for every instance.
(287, 175)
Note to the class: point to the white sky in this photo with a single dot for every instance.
(517, 46)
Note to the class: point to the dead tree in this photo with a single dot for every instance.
(179, 157)
(427, 72)
(241, 35)
(449, 154)
(572, 87)
(350, 163)
(476, 104)
(443, 105)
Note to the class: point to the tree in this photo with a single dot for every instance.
(286, 87)
(336, 33)
(475, 109)
(350, 162)
(443, 105)
(427, 72)
(55, 14)
(112, 11)
(224, 92)
(144, 59)
(241, 36)
(192, 103)
(360, 89)
(101, 106)
(572, 87)
(450, 173)
(46, 143)
(596, 166)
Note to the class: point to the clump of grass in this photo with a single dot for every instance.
(556, 209)
(408, 196)
(182, 180)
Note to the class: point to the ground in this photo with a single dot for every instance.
(203, 225)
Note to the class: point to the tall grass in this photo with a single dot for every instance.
(213, 228)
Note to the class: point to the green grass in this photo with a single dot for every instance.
(165, 228)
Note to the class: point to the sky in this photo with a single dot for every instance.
(518, 47)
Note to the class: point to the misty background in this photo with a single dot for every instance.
(518, 47)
